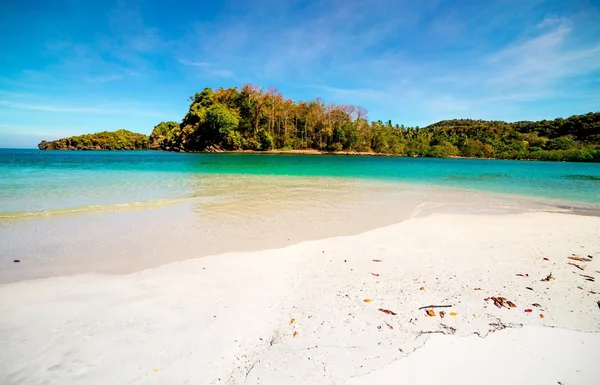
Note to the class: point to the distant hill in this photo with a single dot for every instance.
(117, 140)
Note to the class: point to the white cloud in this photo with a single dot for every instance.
(108, 110)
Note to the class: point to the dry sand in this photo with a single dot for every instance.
(298, 315)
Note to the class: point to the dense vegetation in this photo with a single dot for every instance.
(118, 140)
(250, 119)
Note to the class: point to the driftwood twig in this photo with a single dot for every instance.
(432, 306)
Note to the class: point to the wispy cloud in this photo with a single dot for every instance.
(532, 67)
(209, 69)
(190, 63)
(107, 110)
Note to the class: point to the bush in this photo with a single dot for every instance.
(444, 150)
(562, 143)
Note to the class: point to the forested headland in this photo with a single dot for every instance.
(250, 119)
(117, 140)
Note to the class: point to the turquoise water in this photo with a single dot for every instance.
(35, 181)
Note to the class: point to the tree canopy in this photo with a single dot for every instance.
(117, 140)
(228, 119)
(232, 119)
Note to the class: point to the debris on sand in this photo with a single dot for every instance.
(430, 312)
(501, 302)
(588, 278)
(577, 266)
(433, 306)
(580, 259)
(548, 278)
(386, 311)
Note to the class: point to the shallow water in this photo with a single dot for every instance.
(34, 182)
(120, 212)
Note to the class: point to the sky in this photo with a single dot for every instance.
(70, 67)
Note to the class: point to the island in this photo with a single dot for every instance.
(250, 119)
(117, 140)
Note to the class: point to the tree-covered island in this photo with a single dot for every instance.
(250, 119)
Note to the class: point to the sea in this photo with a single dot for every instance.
(34, 182)
(113, 212)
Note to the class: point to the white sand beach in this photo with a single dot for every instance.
(309, 313)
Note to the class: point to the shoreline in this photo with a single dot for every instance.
(572, 206)
(297, 314)
(131, 239)
(321, 152)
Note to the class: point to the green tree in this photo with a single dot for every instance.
(561, 143)
(443, 150)
(220, 121)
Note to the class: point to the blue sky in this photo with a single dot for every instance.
(74, 66)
